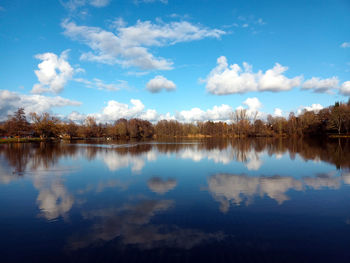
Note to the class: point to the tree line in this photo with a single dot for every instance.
(334, 119)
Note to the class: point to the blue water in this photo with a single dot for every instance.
(197, 200)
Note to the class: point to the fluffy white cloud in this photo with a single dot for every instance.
(159, 83)
(321, 85)
(150, 115)
(277, 112)
(115, 110)
(129, 45)
(217, 113)
(252, 108)
(53, 72)
(253, 104)
(314, 107)
(195, 114)
(345, 45)
(225, 79)
(274, 80)
(345, 88)
(11, 101)
(122, 110)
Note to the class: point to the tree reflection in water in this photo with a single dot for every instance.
(26, 156)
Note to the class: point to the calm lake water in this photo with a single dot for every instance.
(263, 200)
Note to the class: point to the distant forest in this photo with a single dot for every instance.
(333, 120)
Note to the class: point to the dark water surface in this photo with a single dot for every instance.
(258, 200)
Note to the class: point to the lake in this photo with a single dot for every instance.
(248, 200)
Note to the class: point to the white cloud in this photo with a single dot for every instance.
(53, 72)
(137, 73)
(76, 117)
(115, 110)
(345, 88)
(11, 101)
(277, 112)
(217, 113)
(129, 46)
(345, 45)
(274, 80)
(224, 79)
(74, 4)
(158, 83)
(253, 104)
(321, 85)
(150, 115)
(99, 84)
(314, 107)
(118, 22)
(249, 21)
(195, 114)
(99, 3)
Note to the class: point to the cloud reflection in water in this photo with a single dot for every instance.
(238, 189)
(131, 224)
(160, 186)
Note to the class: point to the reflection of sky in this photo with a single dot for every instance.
(239, 189)
(235, 176)
(158, 198)
(160, 186)
(132, 224)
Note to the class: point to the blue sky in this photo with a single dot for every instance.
(185, 60)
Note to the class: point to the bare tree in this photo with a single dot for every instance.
(337, 116)
(17, 123)
(45, 125)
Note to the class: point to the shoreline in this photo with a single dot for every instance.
(190, 136)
